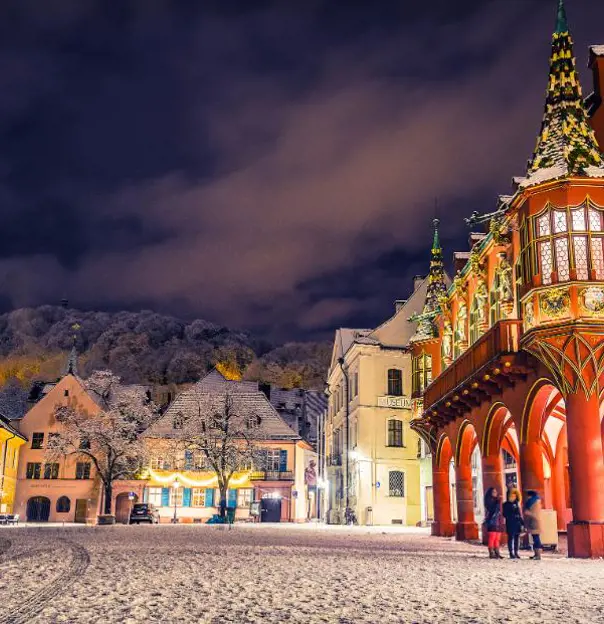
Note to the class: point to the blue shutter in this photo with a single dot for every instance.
(188, 460)
(283, 461)
(209, 497)
(232, 498)
(186, 497)
(165, 497)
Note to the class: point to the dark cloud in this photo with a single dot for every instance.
(272, 167)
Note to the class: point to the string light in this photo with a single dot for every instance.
(179, 476)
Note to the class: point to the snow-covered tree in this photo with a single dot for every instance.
(111, 438)
(224, 432)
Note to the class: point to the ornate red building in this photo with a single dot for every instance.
(516, 344)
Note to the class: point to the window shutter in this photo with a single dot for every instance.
(165, 497)
(283, 461)
(146, 495)
(232, 498)
(186, 497)
(188, 460)
(210, 497)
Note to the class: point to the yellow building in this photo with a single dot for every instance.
(10, 441)
(373, 458)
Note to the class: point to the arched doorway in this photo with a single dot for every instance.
(38, 509)
(123, 506)
(63, 505)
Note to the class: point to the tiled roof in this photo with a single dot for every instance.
(203, 396)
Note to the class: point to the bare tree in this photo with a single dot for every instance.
(224, 432)
(112, 438)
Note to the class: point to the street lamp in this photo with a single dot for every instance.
(175, 485)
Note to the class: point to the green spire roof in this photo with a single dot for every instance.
(566, 144)
(436, 288)
(561, 21)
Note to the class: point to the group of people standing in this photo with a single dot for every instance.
(515, 518)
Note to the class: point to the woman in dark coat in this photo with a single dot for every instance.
(493, 521)
(514, 522)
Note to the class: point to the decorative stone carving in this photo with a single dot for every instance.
(529, 314)
(482, 296)
(460, 285)
(591, 300)
(447, 343)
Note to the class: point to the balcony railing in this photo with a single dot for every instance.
(272, 475)
(501, 339)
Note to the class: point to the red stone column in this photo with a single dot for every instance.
(466, 528)
(558, 480)
(586, 462)
(442, 525)
(492, 476)
(531, 468)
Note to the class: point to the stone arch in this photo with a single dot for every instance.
(444, 451)
(465, 443)
(537, 400)
(495, 426)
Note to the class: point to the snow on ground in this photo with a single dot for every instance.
(281, 574)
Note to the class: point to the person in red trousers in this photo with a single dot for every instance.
(493, 521)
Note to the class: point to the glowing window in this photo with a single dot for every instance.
(597, 256)
(578, 218)
(580, 249)
(562, 263)
(595, 220)
(560, 221)
(545, 253)
(543, 225)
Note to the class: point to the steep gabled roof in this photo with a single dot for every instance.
(247, 400)
(566, 145)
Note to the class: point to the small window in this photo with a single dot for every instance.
(83, 470)
(158, 463)
(63, 505)
(65, 393)
(198, 497)
(396, 482)
(85, 444)
(395, 432)
(154, 496)
(395, 382)
(245, 496)
(178, 421)
(51, 471)
(253, 422)
(37, 440)
(33, 470)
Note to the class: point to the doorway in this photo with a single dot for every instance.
(270, 510)
(81, 510)
(38, 509)
(123, 506)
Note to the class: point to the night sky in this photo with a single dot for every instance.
(266, 165)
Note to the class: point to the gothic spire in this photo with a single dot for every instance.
(566, 144)
(71, 367)
(436, 288)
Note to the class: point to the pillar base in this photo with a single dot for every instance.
(443, 529)
(586, 540)
(466, 531)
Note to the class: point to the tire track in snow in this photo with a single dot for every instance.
(29, 608)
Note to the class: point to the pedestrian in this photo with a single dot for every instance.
(532, 520)
(514, 523)
(493, 521)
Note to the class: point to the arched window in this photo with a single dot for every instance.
(395, 432)
(395, 382)
(567, 239)
(63, 505)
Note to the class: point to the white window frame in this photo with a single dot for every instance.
(154, 496)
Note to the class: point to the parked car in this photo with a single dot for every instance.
(144, 512)
(9, 518)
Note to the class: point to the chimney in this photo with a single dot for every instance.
(417, 280)
(398, 304)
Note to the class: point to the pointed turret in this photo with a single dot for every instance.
(566, 144)
(71, 368)
(437, 287)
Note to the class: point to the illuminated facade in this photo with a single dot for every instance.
(376, 465)
(10, 442)
(277, 484)
(517, 351)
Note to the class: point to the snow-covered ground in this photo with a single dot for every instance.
(281, 574)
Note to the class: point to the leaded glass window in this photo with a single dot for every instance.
(595, 220)
(580, 249)
(545, 253)
(578, 217)
(597, 257)
(543, 225)
(560, 221)
(562, 260)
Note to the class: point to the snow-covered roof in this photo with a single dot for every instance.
(247, 400)
(598, 50)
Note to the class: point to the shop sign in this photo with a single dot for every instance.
(394, 402)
